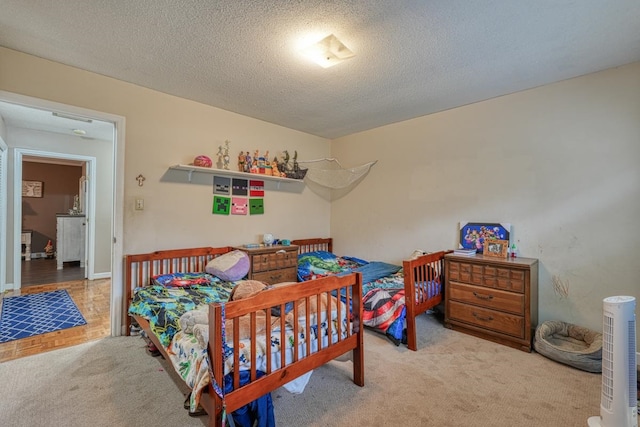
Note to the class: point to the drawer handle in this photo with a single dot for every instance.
(486, 319)
(480, 296)
(281, 251)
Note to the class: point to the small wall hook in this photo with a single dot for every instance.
(140, 180)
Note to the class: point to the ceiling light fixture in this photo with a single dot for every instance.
(65, 116)
(79, 132)
(328, 52)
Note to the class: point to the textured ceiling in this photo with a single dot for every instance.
(412, 57)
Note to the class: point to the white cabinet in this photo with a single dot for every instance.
(70, 239)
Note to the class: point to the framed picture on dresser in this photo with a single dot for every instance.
(496, 248)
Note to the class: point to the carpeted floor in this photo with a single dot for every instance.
(452, 380)
(34, 314)
(109, 382)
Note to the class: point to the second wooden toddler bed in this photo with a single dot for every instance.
(385, 305)
(248, 347)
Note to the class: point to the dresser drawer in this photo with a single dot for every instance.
(460, 272)
(273, 261)
(510, 279)
(487, 319)
(487, 275)
(277, 276)
(490, 298)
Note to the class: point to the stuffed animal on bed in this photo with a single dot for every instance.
(188, 320)
(200, 316)
(246, 288)
(243, 289)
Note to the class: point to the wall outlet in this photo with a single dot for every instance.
(139, 206)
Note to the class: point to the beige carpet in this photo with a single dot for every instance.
(452, 380)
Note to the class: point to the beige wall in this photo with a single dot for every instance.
(560, 163)
(163, 130)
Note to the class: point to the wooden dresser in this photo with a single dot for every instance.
(273, 264)
(492, 298)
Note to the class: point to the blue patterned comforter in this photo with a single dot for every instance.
(163, 305)
(382, 288)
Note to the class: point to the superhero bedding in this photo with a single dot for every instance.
(176, 306)
(384, 308)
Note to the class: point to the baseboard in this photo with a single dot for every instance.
(36, 255)
(106, 275)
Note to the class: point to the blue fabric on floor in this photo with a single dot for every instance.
(34, 314)
(258, 413)
(394, 331)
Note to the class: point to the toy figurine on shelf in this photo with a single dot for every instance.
(296, 167)
(219, 154)
(248, 162)
(225, 156)
(274, 168)
(241, 160)
(284, 165)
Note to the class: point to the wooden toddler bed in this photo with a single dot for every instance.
(328, 313)
(422, 277)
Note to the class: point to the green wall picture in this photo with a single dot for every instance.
(221, 205)
(256, 206)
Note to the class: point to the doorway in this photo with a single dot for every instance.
(12, 230)
(59, 217)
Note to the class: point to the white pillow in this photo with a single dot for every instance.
(230, 267)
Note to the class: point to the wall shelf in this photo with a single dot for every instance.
(191, 169)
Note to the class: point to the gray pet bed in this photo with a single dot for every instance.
(570, 344)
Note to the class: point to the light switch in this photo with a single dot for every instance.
(139, 204)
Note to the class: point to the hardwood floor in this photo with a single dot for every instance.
(92, 298)
(42, 271)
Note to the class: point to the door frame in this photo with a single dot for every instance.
(4, 152)
(90, 162)
(117, 301)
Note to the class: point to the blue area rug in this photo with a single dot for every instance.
(28, 315)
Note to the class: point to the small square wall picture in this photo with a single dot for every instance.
(473, 235)
(221, 205)
(256, 206)
(256, 188)
(239, 187)
(239, 206)
(221, 185)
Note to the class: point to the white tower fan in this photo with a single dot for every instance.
(619, 399)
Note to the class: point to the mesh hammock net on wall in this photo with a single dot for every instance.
(330, 174)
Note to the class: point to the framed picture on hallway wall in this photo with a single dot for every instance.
(32, 188)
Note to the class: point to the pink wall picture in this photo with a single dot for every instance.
(239, 206)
